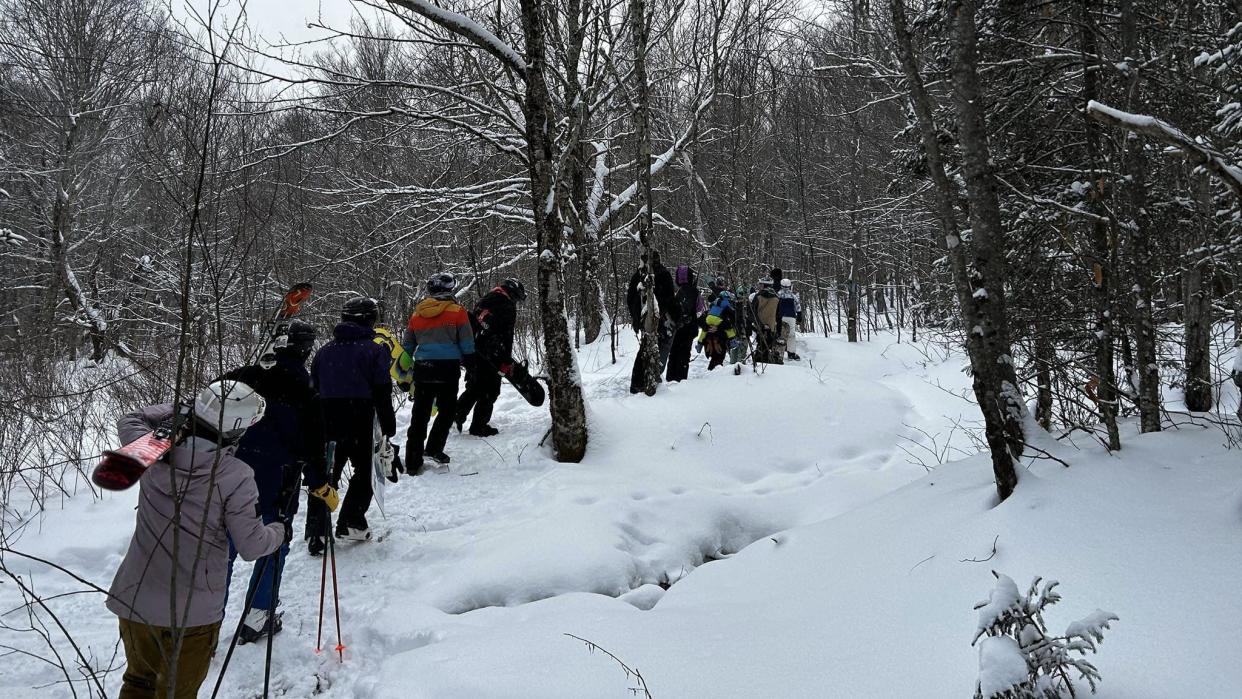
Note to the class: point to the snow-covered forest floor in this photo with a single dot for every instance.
(782, 534)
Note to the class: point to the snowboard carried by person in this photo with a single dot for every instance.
(121, 468)
(525, 383)
(386, 456)
(493, 320)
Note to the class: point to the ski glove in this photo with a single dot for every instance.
(288, 527)
(733, 344)
(386, 455)
(698, 347)
(329, 496)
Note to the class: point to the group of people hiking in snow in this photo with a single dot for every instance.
(230, 485)
(221, 492)
(759, 322)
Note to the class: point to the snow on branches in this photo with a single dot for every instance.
(1018, 658)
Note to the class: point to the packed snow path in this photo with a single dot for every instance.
(671, 482)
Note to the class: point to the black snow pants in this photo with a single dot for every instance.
(482, 390)
(350, 424)
(426, 395)
(679, 354)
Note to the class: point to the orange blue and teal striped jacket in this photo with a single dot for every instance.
(439, 338)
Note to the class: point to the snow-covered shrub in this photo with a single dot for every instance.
(1018, 658)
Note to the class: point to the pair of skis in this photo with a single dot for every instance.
(121, 468)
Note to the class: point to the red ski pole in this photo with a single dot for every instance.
(323, 587)
(330, 455)
(336, 602)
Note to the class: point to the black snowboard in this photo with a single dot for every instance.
(519, 377)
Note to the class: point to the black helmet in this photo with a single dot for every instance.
(361, 310)
(442, 283)
(515, 289)
(301, 337)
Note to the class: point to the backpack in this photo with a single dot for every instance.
(688, 298)
(401, 367)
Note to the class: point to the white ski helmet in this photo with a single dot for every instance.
(230, 407)
(786, 283)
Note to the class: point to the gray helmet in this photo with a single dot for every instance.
(442, 283)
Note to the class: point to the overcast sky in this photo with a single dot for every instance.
(273, 19)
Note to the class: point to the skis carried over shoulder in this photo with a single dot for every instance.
(278, 335)
(120, 469)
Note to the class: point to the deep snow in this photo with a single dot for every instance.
(804, 552)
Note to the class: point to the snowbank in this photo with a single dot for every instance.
(756, 535)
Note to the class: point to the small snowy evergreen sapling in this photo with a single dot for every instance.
(1018, 658)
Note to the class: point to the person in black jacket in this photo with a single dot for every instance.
(355, 389)
(284, 447)
(689, 302)
(667, 313)
(493, 319)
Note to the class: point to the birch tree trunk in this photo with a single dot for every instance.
(569, 426)
(648, 348)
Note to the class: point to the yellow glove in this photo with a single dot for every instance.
(328, 494)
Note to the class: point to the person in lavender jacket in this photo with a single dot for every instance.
(171, 584)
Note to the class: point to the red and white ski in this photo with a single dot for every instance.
(121, 468)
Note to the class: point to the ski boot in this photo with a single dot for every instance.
(255, 626)
(483, 431)
(315, 546)
(794, 356)
(440, 458)
(353, 533)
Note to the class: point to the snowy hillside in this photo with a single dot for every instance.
(762, 535)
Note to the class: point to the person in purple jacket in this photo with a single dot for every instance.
(689, 306)
(170, 588)
(355, 390)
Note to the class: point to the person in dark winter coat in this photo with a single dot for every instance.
(355, 389)
(741, 323)
(714, 287)
(192, 503)
(717, 334)
(440, 340)
(667, 315)
(689, 302)
(493, 320)
(283, 448)
(789, 308)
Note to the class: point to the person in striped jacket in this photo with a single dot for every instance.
(441, 341)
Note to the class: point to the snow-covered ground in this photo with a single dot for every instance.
(763, 535)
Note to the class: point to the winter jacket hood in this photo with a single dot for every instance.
(217, 498)
(348, 330)
(431, 307)
(440, 340)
